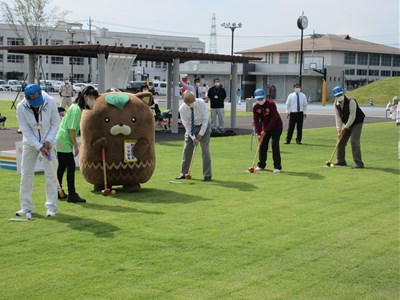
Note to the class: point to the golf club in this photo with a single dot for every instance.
(329, 162)
(53, 170)
(188, 176)
(106, 190)
(251, 170)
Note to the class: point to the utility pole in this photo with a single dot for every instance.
(90, 59)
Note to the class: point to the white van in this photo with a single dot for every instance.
(160, 87)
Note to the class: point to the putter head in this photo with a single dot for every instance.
(251, 170)
(106, 192)
(188, 176)
(328, 163)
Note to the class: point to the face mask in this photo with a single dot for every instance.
(297, 90)
(145, 90)
(261, 102)
(90, 102)
(340, 98)
(198, 84)
(217, 84)
(66, 82)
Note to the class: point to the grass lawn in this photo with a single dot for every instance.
(311, 232)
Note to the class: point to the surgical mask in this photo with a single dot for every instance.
(217, 84)
(261, 102)
(198, 84)
(90, 102)
(66, 82)
(340, 99)
(192, 104)
(297, 90)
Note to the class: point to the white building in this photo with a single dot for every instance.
(15, 66)
(349, 62)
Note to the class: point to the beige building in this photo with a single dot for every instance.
(348, 62)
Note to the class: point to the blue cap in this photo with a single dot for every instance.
(337, 90)
(33, 93)
(259, 93)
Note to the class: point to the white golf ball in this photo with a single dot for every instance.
(28, 215)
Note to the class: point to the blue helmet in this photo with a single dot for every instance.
(33, 93)
(259, 93)
(337, 90)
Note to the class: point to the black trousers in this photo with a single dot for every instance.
(66, 162)
(295, 118)
(275, 135)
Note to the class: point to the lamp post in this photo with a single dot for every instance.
(232, 27)
(72, 33)
(302, 23)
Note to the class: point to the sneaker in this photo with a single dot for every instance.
(50, 214)
(207, 178)
(258, 169)
(62, 197)
(277, 171)
(74, 198)
(180, 177)
(22, 212)
(357, 166)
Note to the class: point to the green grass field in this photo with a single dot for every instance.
(311, 232)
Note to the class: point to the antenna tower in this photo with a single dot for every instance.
(213, 36)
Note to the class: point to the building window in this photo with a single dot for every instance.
(350, 72)
(182, 49)
(395, 73)
(57, 76)
(362, 59)
(1, 57)
(15, 58)
(1, 40)
(297, 58)
(158, 64)
(14, 41)
(385, 73)
(374, 59)
(57, 42)
(134, 45)
(79, 77)
(396, 61)
(362, 72)
(349, 58)
(270, 58)
(284, 58)
(57, 60)
(169, 48)
(373, 72)
(80, 61)
(386, 60)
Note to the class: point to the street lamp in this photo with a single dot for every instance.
(232, 27)
(72, 33)
(302, 23)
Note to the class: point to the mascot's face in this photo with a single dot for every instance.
(122, 116)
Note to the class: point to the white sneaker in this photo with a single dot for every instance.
(277, 171)
(258, 169)
(50, 213)
(22, 212)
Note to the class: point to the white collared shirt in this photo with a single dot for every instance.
(291, 103)
(200, 116)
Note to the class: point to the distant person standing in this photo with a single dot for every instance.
(216, 95)
(38, 119)
(239, 96)
(66, 92)
(196, 88)
(204, 90)
(296, 112)
(349, 121)
(268, 125)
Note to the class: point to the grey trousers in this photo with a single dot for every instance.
(354, 134)
(205, 150)
(217, 118)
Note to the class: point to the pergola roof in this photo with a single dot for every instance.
(145, 54)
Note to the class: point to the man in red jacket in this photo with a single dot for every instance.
(268, 124)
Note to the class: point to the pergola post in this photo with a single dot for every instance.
(31, 68)
(233, 94)
(169, 85)
(101, 62)
(175, 102)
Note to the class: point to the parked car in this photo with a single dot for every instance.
(134, 86)
(51, 85)
(4, 86)
(77, 87)
(15, 85)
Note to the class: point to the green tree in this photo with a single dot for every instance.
(37, 20)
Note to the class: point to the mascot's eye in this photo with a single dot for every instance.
(133, 119)
(107, 120)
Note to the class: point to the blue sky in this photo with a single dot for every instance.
(264, 22)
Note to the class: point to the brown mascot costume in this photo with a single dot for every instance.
(118, 133)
